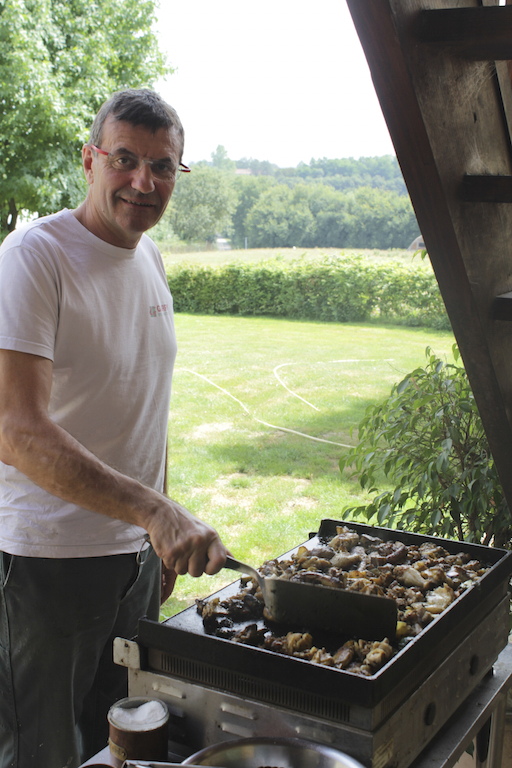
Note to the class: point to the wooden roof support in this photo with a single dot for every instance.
(446, 117)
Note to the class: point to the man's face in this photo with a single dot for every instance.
(122, 205)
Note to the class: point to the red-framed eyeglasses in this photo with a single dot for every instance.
(127, 162)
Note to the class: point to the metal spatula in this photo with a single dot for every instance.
(315, 606)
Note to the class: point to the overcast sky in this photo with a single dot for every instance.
(278, 80)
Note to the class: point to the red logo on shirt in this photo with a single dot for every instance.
(160, 309)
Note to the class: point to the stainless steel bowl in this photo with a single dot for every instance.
(278, 753)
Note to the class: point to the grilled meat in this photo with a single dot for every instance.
(423, 580)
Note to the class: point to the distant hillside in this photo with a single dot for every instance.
(345, 173)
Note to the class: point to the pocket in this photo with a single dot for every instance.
(6, 566)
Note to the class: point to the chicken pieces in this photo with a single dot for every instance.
(423, 580)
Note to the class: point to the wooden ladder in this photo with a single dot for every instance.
(440, 71)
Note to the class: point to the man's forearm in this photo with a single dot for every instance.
(55, 461)
(59, 464)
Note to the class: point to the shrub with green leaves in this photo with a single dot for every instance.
(427, 442)
(344, 289)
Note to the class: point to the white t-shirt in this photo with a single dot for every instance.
(104, 316)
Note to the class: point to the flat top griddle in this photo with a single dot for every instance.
(184, 636)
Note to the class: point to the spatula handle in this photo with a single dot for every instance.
(236, 565)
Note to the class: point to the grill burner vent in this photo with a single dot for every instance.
(250, 687)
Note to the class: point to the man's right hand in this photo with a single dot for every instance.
(183, 542)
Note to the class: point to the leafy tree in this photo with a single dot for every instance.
(334, 223)
(267, 221)
(60, 60)
(304, 211)
(301, 221)
(281, 217)
(202, 204)
(341, 174)
(257, 167)
(385, 166)
(348, 173)
(428, 442)
(317, 215)
(221, 160)
(249, 189)
(305, 171)
(381, 219)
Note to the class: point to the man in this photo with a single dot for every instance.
(87, 348)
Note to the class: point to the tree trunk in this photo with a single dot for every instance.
(8, 218)
(12, 218)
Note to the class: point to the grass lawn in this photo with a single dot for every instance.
(217, 258)
(260, 414)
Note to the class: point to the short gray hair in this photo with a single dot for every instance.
(138, 107)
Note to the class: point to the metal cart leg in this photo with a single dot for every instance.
(489, 741)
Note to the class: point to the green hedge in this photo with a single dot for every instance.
(346, 289)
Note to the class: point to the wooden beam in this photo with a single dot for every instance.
(445, 120)
(486, 189)
(482, 33)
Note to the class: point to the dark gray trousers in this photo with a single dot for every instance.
(58, 620)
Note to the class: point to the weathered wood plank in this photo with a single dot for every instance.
(445, 115)
(477, 33)
(503, 75)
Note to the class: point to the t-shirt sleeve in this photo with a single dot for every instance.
(29, 302)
